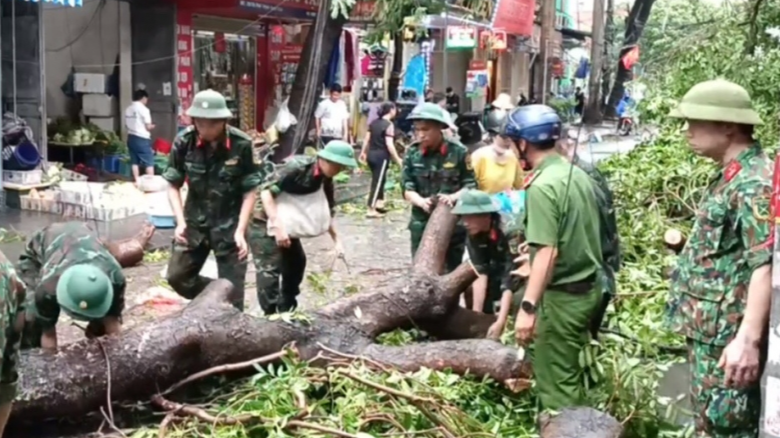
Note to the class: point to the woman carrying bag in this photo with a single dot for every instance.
(296, 201)
(378, 149)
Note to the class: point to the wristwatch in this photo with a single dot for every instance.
(528, 307)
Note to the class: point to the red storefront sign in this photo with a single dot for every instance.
(283, 60)
(515, 17)
(261, 79)
(184, 82)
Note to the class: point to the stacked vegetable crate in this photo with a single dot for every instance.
(85, 200)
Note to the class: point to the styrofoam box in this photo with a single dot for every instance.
(40, 204)
(98, 105)
(158, 204)
(82, 211)
(26, 177)
(104, 123)
(89, 83)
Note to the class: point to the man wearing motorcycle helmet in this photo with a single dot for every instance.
(562, 230)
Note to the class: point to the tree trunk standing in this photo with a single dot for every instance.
(592, 113)
(542, 80)
(635, 25)
(320, 42)
(394, 84)
(610, 35)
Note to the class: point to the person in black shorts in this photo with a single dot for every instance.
(378, 149)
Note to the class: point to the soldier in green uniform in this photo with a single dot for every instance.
(610, 238)
(12, 296)
(217, 162)
(277, 255)
(720, 289)
(561, 228)
(66, 267)
(435, 169)
(491, 252)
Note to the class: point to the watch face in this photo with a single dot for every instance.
(527, 307)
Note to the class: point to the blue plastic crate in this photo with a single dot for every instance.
(111, 163)
(163, 222)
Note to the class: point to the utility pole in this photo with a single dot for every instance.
(541, 82)
(593, 114)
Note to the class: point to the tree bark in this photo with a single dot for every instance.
(394, 84)
(635, 25)
(610, 35)
(592, 113)
(320, 42)
(144, 360)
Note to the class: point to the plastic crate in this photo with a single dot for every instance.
(162, 222)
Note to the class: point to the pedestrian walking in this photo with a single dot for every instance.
(562, 230)
(138, 121)
(296, 200)
(217, 161)
(435, 169)
(66, 267)
(12, 297)
(721, 287)
(378, 150)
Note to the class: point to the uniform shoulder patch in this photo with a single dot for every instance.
(238, 133)
(732, 170)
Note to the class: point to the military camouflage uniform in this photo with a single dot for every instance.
(298, 176)
(491, 254)
(12, 294)
(438, 172)
(709, 289)
(218, 179)
(610, 239)
(49, 253)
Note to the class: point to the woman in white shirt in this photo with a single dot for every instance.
(138, 121)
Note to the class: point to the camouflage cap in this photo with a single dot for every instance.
(85, 291)
(717, 101)
(209, 104)
(475, 202)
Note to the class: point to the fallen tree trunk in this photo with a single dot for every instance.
(149, 358)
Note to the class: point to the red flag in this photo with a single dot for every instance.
(631, 58)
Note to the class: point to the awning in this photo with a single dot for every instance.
(448, 19)
(71, 3)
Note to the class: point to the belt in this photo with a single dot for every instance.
(578, 287)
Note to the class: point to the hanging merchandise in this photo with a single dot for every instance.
(246, 106)
(582, 69)
(476, 79)
(284, 59)
(415, 77)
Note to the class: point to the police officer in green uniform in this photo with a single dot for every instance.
(217, 162)
(435, 169)
(561, 228)
(491, 252)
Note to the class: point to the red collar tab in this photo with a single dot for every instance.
(529, 179)
(200, 142)
(316, 170)
(732, 170)
(442, 150)
(493, 235)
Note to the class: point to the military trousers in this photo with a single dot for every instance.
(279, 271)
(187, 259)
(10, 338)
(562, 331)
(720, 412)
(454, 256)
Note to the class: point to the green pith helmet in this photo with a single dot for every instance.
(474, 202)
(432, 112)
(717, 101)
(339, 152)
(208, 104)
(85, 291)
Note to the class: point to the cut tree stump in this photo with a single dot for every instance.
(147, 359)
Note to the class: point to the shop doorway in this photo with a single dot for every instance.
(226, 63)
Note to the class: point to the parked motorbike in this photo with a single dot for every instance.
(626, 123)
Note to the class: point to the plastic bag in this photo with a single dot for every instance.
(284, 118)
(16, 130)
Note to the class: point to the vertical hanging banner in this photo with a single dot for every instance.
(184, 82)
(262, 72)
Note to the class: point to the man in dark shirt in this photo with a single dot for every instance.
(579, 97)
(453, 102)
